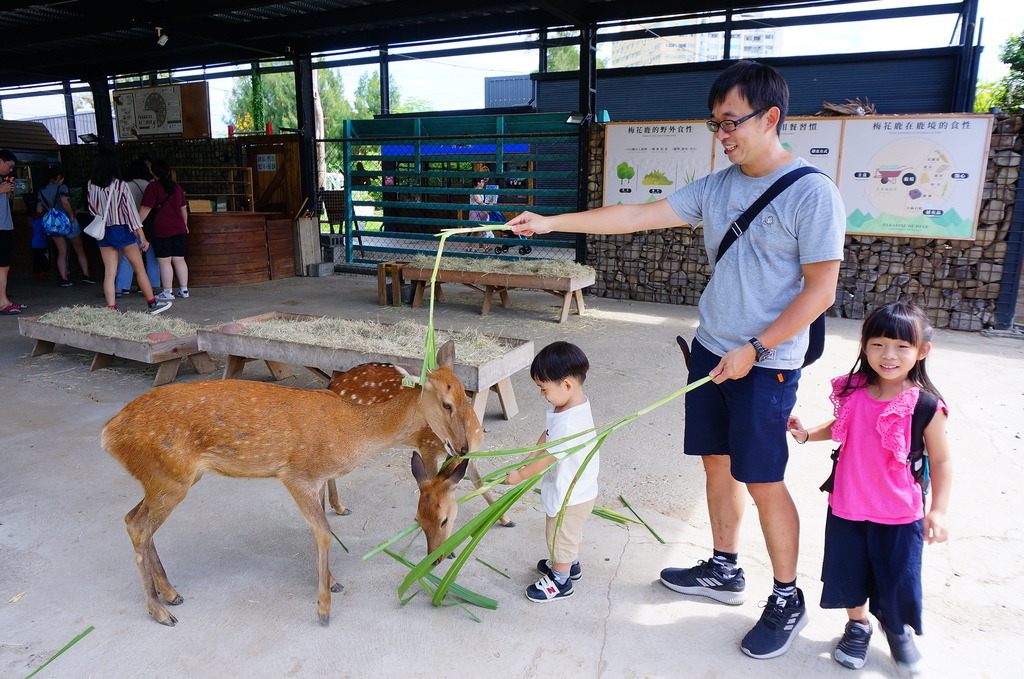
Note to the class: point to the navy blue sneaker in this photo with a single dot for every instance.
(544, 568)
(780, 621)
(852, 649)
(707, 579)
(904, 651)
(546, 589)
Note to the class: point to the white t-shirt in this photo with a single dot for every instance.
(556, 482)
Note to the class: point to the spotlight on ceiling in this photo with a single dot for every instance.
(161, 37)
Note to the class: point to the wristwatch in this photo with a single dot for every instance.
(762, 353)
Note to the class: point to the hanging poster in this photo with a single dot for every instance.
(816, 140)
(914, 176)
(647, 161)
(169, 111)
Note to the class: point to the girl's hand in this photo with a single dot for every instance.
(143, 244)
(935, 527)
(796, 430)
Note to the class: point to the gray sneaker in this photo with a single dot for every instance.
(852, 649)
(904, 651)
(158, 307)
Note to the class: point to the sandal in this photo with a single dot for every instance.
(10, 310)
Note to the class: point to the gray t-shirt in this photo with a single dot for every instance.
(6, 222)
(760, 274)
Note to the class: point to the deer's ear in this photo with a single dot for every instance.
(446, 355)
(419, 470)
(453, 473)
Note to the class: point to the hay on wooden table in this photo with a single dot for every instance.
(548, 268)
(400, 339)
(129, 325)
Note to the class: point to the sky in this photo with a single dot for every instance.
(458, 83)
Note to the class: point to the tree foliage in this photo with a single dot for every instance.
(1007, 93)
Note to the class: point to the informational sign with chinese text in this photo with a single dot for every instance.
(648, 161)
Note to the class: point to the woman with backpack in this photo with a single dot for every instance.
(110, 199)
(54, 196)
(166, 200)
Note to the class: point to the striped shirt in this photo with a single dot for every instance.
(122, 206)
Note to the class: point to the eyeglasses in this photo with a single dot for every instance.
(730, 125)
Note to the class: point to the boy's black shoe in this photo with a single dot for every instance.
(544, 568)
(707, 579)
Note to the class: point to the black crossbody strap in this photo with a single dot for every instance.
(739, 226)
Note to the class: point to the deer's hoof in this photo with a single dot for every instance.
(510, 524)
(325, 619)
(337, 587)
(176, 601)
(170, 620)
(344, 512)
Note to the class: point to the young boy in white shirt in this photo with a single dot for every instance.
(559, 370)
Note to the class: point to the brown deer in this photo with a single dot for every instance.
(169, 437)
(372, 383)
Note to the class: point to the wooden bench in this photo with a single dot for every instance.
(327, 362)
(166, 355)
(566, 288)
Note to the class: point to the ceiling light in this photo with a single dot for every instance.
(89, 138)
(161, 37)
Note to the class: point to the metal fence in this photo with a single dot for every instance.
(392, 185)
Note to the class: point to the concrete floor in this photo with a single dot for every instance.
(240, 552)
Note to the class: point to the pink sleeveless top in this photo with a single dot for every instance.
(873, 480)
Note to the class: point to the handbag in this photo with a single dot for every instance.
(816, 331)
(98, 226)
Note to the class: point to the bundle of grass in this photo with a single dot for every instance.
(129, 325)
(547, 268)
(399, 339)
(852, 107)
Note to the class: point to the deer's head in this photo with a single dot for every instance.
(437, 508)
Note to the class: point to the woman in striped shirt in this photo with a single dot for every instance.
(109, 197)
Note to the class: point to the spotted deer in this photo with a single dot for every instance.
(169, 437)
(372, 383)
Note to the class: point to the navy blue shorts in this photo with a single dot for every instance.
(880, 564)
(744, 419)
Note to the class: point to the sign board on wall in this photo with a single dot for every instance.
(167, 112)
(912, 176)
(648, 161)
(915, 176)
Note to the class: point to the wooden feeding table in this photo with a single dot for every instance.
(165, 354)
(567, 288)
(327, 362)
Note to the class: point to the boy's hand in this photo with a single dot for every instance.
(935, 527)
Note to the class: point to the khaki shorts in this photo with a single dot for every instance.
(570, 534)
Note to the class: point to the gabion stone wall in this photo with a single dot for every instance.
(957, 282)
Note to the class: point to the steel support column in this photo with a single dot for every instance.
(69, 112)
(306, 122)
(1009, 287)
(101, 105)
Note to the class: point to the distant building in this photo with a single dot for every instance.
(675, 49)
(85, 123)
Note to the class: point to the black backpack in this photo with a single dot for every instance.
(924, 411)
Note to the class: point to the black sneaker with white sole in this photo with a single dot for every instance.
(544, 568)
(707, 579)
(904, 651)
(546, 589)
(780, 621)
(852, 649)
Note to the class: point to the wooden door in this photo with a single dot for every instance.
(275, 176)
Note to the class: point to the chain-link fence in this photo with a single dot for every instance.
(391, 185)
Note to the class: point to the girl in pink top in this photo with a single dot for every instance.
(877, 523)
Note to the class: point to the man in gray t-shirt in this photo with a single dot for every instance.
(7, 162)
(772, 283)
